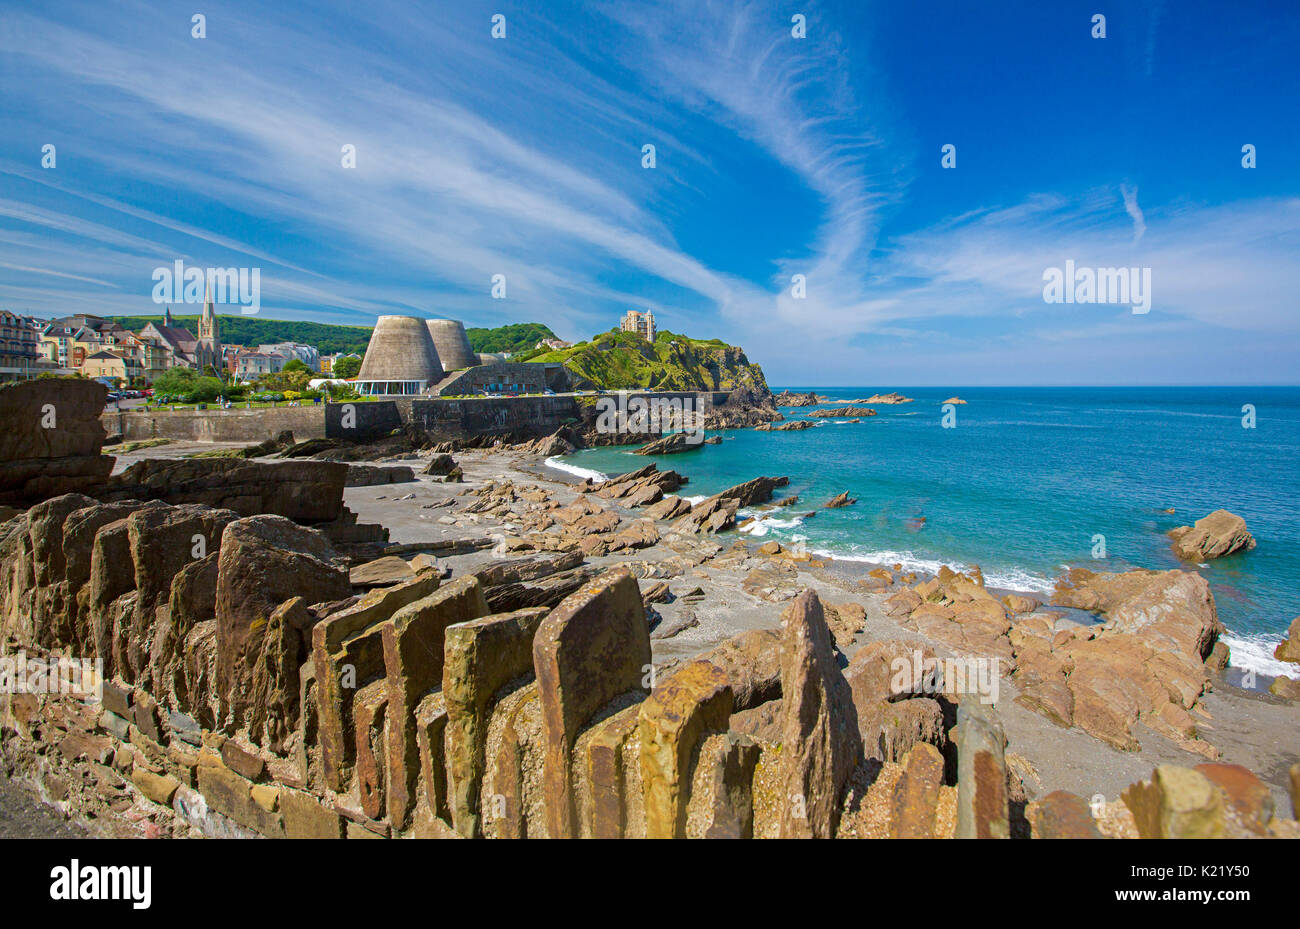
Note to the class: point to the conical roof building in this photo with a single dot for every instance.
(452, 343)
(401, 358)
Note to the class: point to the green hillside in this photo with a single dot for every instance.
(516, 338)
(250, 330)
(329, 338)
(617, 360)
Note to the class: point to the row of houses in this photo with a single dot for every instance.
(101, 348)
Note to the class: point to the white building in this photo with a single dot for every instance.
(248, 365)
(307, 354)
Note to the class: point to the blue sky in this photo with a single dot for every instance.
(776, 156)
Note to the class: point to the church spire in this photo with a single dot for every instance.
(208, 321)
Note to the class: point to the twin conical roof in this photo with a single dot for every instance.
(452, 344)
(401, 349)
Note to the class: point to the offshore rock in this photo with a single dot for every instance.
(1289, 648)
(1221, 533)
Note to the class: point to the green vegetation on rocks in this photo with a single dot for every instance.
(517, 338)
(618, 360)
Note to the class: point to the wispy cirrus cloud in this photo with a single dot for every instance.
(476, 157)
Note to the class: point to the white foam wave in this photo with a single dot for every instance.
(762, 526)
(1255, 653)
(1006, 579)
(559, 465)
(698, 498)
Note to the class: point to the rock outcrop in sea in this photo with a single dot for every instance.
(848, 411)
(1289, 648)
(1213, 536)
(791, 398)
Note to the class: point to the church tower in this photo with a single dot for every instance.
(209, 347)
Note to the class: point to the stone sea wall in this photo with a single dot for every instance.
(442, 420)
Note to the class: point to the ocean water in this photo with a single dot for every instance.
(1027, 481)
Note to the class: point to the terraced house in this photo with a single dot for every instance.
(19, 352)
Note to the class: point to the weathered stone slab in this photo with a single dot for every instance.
(52, 439)
(164, 540)
(1177, 803)
(160, 788)
(512, 805)
(516, 570)
(112, 575)
(231, 795)
(264, 561)
(752, 661)
(592, 647)
(414, 641)
(381, 572)
(480, 657)
(820, 742)
(242, 759)
(1248, 797)
(347, 651)
(721, 803)
(1062, 815)
(607, 773)
(916, 794)
(370, 712)
(431, 743)
(306, 491)
(695, 700)
(982, 804)
(305, 817)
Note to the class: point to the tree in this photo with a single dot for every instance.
(347, 367)
(175, 381)
(204, 390)
(294, 364)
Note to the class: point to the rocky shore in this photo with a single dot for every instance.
(453, 642)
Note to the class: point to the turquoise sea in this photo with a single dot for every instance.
(1026, 481)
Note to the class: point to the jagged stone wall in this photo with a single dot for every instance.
(248, 690)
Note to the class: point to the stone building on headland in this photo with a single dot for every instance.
(643, 324)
